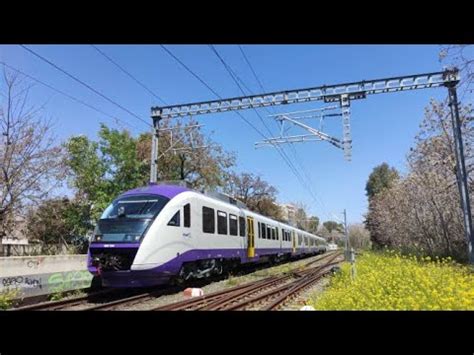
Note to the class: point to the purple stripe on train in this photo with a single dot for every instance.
(114, 245)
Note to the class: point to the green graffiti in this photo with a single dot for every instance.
(70, 280)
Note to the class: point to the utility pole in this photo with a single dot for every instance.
(461, 172)
(350, 252)
(347, 252)
(154, 150)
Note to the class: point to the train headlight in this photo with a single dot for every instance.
(98, 238)
(132, 238)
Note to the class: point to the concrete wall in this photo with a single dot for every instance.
(40, 275)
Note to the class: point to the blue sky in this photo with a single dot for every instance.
(383, 126)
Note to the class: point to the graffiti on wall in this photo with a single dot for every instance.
(70, 280)
(22, 282)
(33, 285)
(34, 263)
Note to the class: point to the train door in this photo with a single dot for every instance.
(293, 238)
(280, 237)
(250, 238)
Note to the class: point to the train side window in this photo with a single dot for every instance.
(221, 222)
(187, 215)
(264, 229)
(273, 233)
(259, 231)
(242, 226)
(232, 224)
(208, 220)
(269, 232)
(174, 221)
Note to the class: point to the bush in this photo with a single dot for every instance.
(391, 281)
(6, 298)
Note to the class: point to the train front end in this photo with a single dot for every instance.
(120, 233)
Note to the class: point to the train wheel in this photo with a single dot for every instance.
(219, 268)
(96, 283)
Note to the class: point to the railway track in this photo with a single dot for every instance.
(147, 296)
(267, 294)
(130, 301)
(216, 300)
(57, 305)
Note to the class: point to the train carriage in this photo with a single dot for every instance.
(161, 233)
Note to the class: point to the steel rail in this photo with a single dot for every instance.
(198, 302)
(283, 288)
(54, 305)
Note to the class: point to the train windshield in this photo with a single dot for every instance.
(144, 206)
(127, 218)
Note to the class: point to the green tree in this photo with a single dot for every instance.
(333, 226)
(101, 170)
(381, 178)
(59, 221)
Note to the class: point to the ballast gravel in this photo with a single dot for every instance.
(233, 281)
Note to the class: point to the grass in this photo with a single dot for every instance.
(390, 281)
(58, 296)
(231, 281)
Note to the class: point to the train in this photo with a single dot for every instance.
(166, 233)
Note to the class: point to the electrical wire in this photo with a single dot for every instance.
(67, 95)
(280, 149)
(84, 84)
(128, 73)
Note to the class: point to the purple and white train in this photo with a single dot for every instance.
(161, 233)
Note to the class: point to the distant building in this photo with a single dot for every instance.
(288, 212)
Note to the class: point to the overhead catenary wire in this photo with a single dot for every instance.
(252, 69)
(280, 150)
(84, 84)
(291, 145)
(106, 56)
(190, 71)
(80, 101)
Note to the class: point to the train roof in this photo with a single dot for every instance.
(169, 191)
